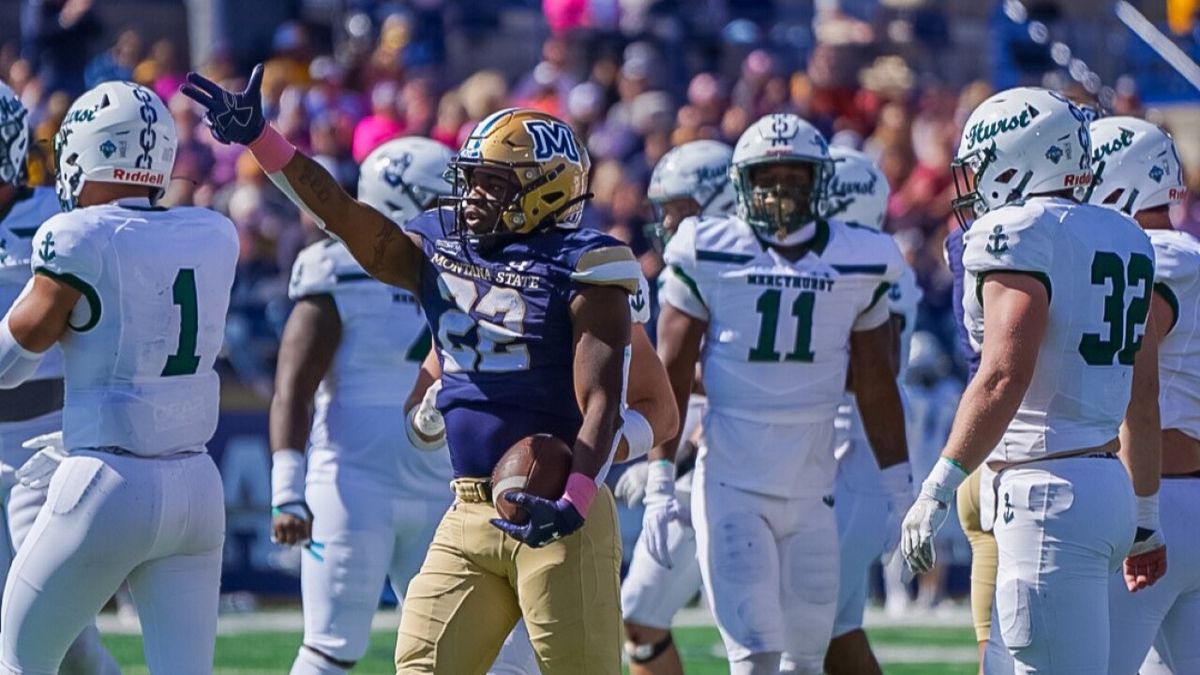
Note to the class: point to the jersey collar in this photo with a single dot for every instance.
(136, 204)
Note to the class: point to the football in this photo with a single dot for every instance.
(537, 464)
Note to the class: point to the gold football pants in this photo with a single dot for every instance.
(984, 555)
(476, 582)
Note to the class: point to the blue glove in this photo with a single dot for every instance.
(233, 118)
(548, 521)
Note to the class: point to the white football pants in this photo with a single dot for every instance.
(770, 568)
(1062, 527)
(87, 655)
(1172, 604)
(360, 536)
(160, 523)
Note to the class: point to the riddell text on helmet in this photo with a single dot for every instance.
(140, 177)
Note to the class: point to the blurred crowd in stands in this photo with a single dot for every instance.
(632, 85)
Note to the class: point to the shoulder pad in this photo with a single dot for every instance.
(432, 224)
(1176, 256)
(70, 245)
(1018, 238)
(322, 268)
(606, 262)
(856, 250)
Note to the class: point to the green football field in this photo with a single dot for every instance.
(904, 651)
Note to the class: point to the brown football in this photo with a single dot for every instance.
(537, 464)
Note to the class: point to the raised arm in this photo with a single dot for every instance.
(384, 250)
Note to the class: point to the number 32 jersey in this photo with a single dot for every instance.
(142, 339)
(1098, 268)
(503, 329)
(778, 341)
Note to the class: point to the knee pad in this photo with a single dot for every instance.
(311, 661)
(643, 654)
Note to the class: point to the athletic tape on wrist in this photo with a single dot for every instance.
(287, 477)
(581, 490)
(1147, 512)
(638, 434)
(410, 430)
(943, 480)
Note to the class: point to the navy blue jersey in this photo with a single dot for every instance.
(954, 259)
(502, 327)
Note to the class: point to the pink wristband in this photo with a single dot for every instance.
(272, 150)
(580, 491)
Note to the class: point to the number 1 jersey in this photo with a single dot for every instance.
(141, 341)
(1098, 269)
(502, 326)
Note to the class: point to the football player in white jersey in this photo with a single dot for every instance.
(785, 301)
(690, 180)
(1060, 303)
(868, 530)
(1138, 173)
(34, 409)
(369, 500)
(136, 297)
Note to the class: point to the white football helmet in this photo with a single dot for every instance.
(404, 177)
(781, 214)
(1020, 142)
(1135, 165)
(858, 192)
(14, 136)
(698, 170)
(119, 132)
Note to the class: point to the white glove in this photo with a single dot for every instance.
(36, 473)
(426, 421)
(661, 509)
(631, 486)
(928, 515)
(897, 480)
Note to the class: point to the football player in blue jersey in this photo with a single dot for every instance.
(531, 323)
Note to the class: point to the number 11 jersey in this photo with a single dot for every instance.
(1098, 269)
(778, 341)
(140, 345)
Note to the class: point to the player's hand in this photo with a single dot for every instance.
(921, 524)
(426, 427)
(549, 520)
(661, 508)
(232, 117)
(1147, 560)
(900, 504)
(291, 524)
(631, 486)
(39, 469)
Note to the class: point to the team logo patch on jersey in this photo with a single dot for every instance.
(997, 241)
(1008, 508)
(638, 300)
(552, 139)
(448, 246)
(46, 251)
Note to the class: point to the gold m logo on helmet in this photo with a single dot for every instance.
(552, 138)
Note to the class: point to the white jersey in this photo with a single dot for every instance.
(143, 337)
(358, 421)
(1098, 267)
(778, 345)
(855, 460)
(16, 248)
(1177, 280)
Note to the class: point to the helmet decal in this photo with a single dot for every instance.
(551, 139)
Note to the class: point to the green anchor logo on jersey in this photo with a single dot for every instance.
(1008, 508)
(47, 250)
(997, 241)
(638, 302)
